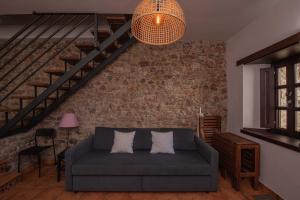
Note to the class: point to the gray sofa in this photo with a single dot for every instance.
(90, 166)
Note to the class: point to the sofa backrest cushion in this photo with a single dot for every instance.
(104, 137)
(183, 138)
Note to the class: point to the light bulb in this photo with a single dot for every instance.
(157, 20)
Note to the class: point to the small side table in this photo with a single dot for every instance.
(239, 157)
(60, 163)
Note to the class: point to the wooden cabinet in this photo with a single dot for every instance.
(208, 126)
(238, 157)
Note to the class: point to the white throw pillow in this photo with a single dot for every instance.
(162, 142)
(123, 142)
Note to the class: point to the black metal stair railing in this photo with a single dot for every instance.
(21, 31)
(40, 21)
(41, 55)
(55, 86)
(31, 45)
(83, 19)
(27, 45)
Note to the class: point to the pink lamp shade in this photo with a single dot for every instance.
(68, 120)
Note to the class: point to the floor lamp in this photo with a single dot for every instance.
(68, 121)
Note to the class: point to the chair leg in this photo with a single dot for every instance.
(19, 162)
(54, 154)
(39, 163)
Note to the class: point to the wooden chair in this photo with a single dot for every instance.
(208, 126)
(37, 150)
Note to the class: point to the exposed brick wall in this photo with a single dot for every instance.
(146, 87)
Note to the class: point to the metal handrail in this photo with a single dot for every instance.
(60, 13)
(20, 32)
(46, 62)
(27, 45)
(27, 34)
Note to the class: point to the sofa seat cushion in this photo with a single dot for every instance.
(141, 163)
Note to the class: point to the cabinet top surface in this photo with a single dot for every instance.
(234, 138)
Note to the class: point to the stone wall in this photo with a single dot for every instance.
(145, 87)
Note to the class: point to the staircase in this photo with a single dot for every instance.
(20, 111)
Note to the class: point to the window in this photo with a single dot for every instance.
(287, 97)
(282, 101)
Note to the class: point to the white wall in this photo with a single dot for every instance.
(279, 166)
(251, 95)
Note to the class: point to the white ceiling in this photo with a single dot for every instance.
(206, 19)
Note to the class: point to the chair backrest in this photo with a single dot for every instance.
(46, 133)
(209, 125)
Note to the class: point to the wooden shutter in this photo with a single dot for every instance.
(267, 97)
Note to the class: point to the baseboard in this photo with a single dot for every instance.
(272, 192)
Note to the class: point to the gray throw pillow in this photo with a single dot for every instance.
(123, 142)
(162, 142)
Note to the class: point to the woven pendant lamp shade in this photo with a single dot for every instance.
(158, 22)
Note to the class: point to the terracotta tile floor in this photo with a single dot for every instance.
(46, 187)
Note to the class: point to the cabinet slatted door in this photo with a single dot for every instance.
(208, 126)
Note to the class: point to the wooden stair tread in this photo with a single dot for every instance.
(87, 47)
(46, 85)
(60, 72)
(54, 70)
(85, 44)
(29, 97)
(116, 19)
(116, 22)
(8, 177)
(70, 58)
(2, 121)
(102, 34)
(73, 60)
(6, 109)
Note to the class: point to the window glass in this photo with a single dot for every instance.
(297, 73)
(297, 121)
(282, 119)
(281, 76)
(282, 98)
(297, 97)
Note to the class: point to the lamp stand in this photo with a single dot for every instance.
(68, 137)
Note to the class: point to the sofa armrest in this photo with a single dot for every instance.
(212, 156)
(73, 154)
